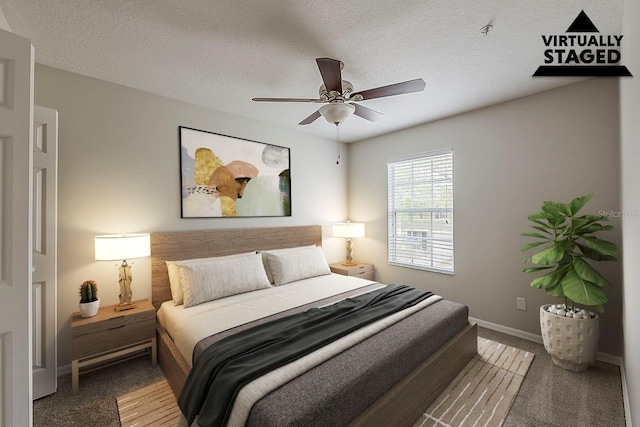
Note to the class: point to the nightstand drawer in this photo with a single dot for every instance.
(97, 324)
(117, 335)
(364, 274)
(361, 270)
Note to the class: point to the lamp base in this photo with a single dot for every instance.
(349, 263)
(125, 306)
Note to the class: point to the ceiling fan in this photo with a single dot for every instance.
(340, 98)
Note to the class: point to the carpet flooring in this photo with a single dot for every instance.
(95, 404)
(549, 396)
(554, 397)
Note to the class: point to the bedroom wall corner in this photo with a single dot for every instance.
(119, 170)
(630, 195)
(508, 159)
(3, 21)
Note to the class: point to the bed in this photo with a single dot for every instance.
(392, 392)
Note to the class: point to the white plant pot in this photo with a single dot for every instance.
(89, 309)
(572, 343)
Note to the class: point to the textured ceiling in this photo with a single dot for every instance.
(222, 53)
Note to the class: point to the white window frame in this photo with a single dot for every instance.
(433, 252)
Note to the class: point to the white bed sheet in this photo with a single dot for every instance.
(187, 326)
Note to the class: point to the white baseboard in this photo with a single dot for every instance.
(64, 370)
(604, 357)
(507, 330)
(625, 396)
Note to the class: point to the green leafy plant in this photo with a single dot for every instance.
(569, 244)
(88, 291)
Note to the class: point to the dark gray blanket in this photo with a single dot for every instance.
(337, 391)
(222, 370)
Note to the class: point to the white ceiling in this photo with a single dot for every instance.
(222, 53)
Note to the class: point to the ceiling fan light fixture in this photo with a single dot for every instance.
(337, 112)
(339, 95)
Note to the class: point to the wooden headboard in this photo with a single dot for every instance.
(179, 245)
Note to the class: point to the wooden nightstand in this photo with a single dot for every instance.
(361, 269)
(110, 335)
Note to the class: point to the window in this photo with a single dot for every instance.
(420, 191)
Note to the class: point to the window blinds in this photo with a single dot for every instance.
(420, 211)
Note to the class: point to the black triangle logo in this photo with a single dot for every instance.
(582, 24)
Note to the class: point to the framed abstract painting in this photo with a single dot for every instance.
(224, 176)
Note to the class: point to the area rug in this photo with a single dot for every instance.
(154, 405)
(482, 394)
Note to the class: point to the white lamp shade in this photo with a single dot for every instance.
(114, 247)
(349, 230)
(337, 112)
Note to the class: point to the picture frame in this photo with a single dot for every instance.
(223, 176)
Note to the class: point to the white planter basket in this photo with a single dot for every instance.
(572, 343)
(89, 309)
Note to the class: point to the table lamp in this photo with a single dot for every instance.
(115, 247)
(348, 230)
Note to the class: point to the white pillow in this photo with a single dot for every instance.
(174, 274)
(289, 266)
(279, 251)
(218, 278)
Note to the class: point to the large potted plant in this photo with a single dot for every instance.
(566, 246)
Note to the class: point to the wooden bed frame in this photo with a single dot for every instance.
(400, 406)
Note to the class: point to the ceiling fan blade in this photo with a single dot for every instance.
(367, 113)
(312, 118)
(331, 75)
(410, 86)
(287, 100)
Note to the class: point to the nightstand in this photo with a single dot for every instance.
(109, 336)
(361, 269)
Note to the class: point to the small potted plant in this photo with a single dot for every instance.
(89, 301)
(569, 332)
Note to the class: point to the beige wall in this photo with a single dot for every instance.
(508, 158)
(630, 194)
(119, 170)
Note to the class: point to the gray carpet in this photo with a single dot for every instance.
(95, 404)
(549, 396)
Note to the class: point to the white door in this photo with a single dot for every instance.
(45, 201)
(16, 118)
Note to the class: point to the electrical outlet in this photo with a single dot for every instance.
(521, 303)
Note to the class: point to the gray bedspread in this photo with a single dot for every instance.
(337, 391)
